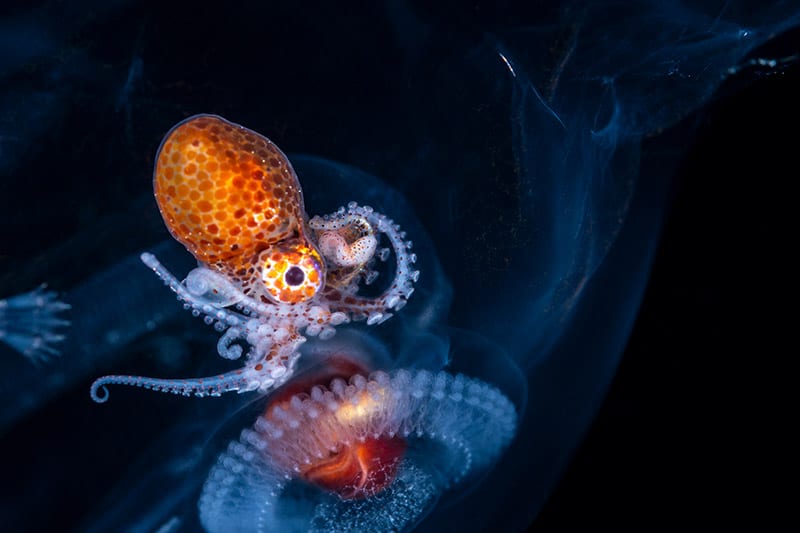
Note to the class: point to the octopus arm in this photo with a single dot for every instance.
(236, 380)
(375, 310)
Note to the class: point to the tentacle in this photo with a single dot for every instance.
(259, 324)
(198, 303)
(29, 321)
(269, 365)
(375, 310)
(334, 245)
(263, 376)
(210, 386)
(212, 286)
(225, 345)
(214, 309)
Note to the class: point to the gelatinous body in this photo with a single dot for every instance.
(382, 448)
(521, 151)
(29, 323)
(232, 199)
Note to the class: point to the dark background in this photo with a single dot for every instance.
(691, 430)
(686, 428)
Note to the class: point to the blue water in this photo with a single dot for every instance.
(532, 154)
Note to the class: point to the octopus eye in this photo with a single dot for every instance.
(294, 276)
(291, 276)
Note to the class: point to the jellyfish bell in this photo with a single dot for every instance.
(343, 446)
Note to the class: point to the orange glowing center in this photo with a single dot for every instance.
(360, 470)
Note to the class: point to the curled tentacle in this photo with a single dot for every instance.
(210, 386)
(199, 304)
(261, 376)
(212, 286)
(333, 239)
(301, 315)
(402, 286)
(268, 367)
(225, 345)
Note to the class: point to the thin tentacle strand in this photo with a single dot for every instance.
(30, 323)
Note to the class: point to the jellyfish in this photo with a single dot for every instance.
(106, 319)
(30, 323)
(343, 447)
(536, 150)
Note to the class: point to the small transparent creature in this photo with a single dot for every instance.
(267, 277)
(29, 323)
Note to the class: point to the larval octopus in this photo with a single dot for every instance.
(267, 277)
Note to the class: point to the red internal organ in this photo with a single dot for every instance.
(356, 470)
(359, 470)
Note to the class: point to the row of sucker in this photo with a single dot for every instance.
(375, 310)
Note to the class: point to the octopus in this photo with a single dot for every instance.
(268, 277)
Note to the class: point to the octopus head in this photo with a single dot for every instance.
(291, 272)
